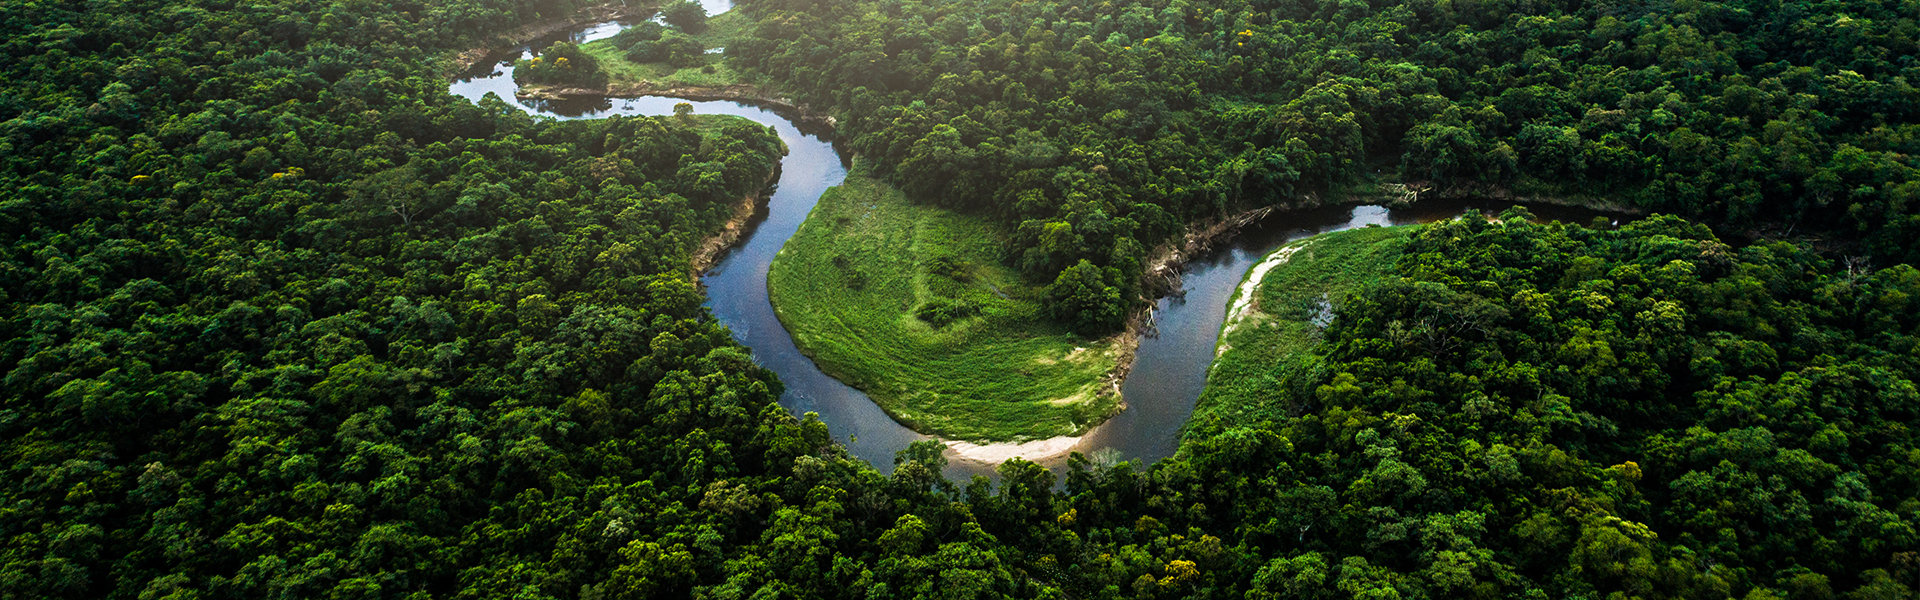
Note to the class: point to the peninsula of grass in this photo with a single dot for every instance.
(913, 305)
(1265, 353)
(721, 30)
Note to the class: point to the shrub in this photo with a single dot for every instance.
(673, 48)
(940, 311)
(686, 16)
(646, 31)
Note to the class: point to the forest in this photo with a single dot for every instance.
(1098, 129)
(281, 318)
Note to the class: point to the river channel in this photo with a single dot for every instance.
(1170, 368)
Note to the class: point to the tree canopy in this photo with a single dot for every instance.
(1099, 128)
(687, 15)
(561, 64)
(279, 317)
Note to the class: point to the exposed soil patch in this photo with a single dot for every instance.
(715, 246)
(997, 453)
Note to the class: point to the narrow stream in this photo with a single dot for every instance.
(1170, 369)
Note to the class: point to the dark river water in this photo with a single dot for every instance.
(1169, 372)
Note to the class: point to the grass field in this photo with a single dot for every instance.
(712, 126)
(1266, 345)
(913, 305)
(721, 30)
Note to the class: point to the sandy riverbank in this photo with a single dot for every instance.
(1036, 450)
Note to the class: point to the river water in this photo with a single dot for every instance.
(1170, 367)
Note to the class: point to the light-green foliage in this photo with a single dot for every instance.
(721, 30)
(850, 283)
(1268, 351)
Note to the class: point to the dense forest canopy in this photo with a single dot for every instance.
(1646, 410)
(281, 318)
(1098, 128)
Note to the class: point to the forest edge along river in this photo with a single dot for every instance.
(1170, 365)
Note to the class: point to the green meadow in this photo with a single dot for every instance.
(721, 30)
(913, 305)
(1265, 355)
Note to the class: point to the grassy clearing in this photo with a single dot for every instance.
(1266, 345)
(722, 29)
(865, 285)
(713, 126)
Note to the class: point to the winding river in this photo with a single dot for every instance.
(1169, 371)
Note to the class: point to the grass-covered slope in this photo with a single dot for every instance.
(913, 305)
(1275, 318)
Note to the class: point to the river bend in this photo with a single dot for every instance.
(1170, 368)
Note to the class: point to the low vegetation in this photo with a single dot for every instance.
(281, 318)
(1266, 344)
(1094, 129)
(1642, 411)
(670, 56)
(913, 305)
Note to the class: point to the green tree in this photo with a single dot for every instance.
(1081, 297)
(687, 16)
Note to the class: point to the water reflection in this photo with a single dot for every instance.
(1170, 370)
(495, 75)
(1168, 374)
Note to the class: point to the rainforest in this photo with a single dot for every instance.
(1247, 299)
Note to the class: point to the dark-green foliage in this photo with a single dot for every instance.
(1645, 411)
(1527, 410)
(281, 318)
(939, 312)
(687, 16)
(1085, 297)
(1097, 128)
(644, 31)
(561, 63)
(672, 47)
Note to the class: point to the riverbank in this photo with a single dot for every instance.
(710, 250)
(1403, 194)
(912, 305)
(598, 13)
(713, 88)
(996, 453)
(707, 70)
(1161, 273)
(1172, 355)
(1161, 278)
(1264, 359)
(744, 93)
